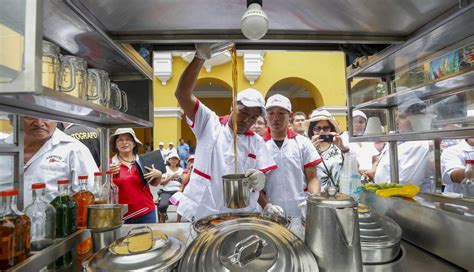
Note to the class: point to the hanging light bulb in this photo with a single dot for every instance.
(254, 22)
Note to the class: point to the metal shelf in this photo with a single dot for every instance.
(454, 82)
(48, 255)
(455, 25)
(415, 136)
(62, 107)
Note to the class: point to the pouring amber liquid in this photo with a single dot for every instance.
(234, 104)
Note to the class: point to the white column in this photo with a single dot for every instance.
(163, 66)
(253, 61)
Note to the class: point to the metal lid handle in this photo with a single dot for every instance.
(247, 250)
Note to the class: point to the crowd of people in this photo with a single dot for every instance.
(283, 154)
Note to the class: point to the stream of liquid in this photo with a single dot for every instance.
(234, 105)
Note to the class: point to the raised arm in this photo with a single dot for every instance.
(187, 82)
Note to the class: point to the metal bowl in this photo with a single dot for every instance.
(103, 217)
(212, 221)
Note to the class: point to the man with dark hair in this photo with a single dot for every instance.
(297, 122)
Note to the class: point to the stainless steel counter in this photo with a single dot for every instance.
(412, 258)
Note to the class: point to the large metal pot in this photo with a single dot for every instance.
(248, 244)
(379, 237)
(236, 191)
(143, 249)
(103, 217)
(210, 222)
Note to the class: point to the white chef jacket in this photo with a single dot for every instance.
(413, 164)
(364, 151)
(296, 154)
(454, 158)
(57, 159)
(214, 157)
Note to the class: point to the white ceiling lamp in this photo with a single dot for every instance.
(254, 22)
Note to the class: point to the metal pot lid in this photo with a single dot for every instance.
(125, 255)
(337, 202)
(377, 231)
(248, 244)
(212, 221)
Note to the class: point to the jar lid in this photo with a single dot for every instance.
(11, 192)
(338, 201)
(98, 174)
(63, 181)
(248, 244)
(38, 186)
(83, 177)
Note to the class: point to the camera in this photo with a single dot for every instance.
(326, 137)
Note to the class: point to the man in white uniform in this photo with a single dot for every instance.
(453, 163)
(413, 157)
(294, 155)
(214, 151)
(50, 155)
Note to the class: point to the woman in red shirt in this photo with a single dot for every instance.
(132, 190)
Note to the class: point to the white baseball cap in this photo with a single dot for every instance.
(359, 113)
(161, 143)
(251, 98)
(278, 100)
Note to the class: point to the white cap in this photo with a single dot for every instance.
(171, 143)
(251, 98)
(359, 113)
(278, 100)
(161, 143)
(172, 154)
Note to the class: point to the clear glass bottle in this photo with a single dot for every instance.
(66, 218)
(467, 184)
(14, 231)
(43, 219)
(100, 195)
(113, 189)
(83, 199)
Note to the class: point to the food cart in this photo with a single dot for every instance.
(419, 35)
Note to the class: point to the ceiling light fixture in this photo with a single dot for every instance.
(254, 22)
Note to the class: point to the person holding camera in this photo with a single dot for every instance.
(323, 131)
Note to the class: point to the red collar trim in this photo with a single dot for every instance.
(225, 119)
(289, 133)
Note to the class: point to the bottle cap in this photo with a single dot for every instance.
(110, 172)
(11, 192)
(98, 174)
(83, 177)
(38, 186)
(469, 161)
(63, 181)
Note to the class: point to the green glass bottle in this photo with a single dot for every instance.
(66, 218)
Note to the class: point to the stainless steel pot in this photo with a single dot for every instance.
(101, 239)
(103, 217)
(236, 191)
(248, 244)
(210, 222)
(130, 254)
(332, 231)
(379, 237)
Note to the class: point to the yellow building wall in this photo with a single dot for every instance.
(322, 74)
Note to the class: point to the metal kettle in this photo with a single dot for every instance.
(332, 231)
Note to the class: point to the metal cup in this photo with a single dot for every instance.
(236, 191)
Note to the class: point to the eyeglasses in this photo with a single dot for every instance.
(325, 129)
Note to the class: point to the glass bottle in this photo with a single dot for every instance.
(467, 184)
(43, 219)
(112, 188)
(66, 218)
(100, 195)
(14, 231)
(83, 199)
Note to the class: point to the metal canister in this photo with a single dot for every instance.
(332, 232)
(236, 191)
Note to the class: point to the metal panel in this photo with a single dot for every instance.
(63, 26)
(416, 136)
(441, 225)
(358, 17)
(451, 27)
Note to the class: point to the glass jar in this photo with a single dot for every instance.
(100, 194)
(43, 219)
(73, 76)
(115, 97)
(83, 199)
(50, 65)
(66, 218)
(113, 189)
(14, 231)
(467, 184)
(98, 87)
